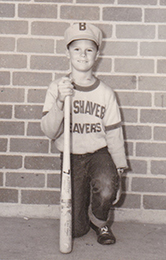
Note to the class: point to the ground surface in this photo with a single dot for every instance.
(38, 239)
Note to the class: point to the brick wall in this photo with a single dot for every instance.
(132, 61)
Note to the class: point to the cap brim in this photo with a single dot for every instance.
(82, 37)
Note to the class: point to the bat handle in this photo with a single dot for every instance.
(67, 127)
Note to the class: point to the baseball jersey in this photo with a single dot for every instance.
(95, 120)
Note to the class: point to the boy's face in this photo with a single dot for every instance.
(82, 54)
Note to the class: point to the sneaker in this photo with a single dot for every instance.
(104, 235)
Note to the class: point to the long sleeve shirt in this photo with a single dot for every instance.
(95, 121)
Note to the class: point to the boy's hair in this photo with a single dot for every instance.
(78, 31)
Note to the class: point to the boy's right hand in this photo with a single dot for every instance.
(65, 88)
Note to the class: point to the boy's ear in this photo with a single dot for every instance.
(97, 55)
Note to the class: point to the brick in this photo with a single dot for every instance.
(96, 1)
(12, 95)
(129, 115)
(10, 162)
(49, 28)
(28, 145)
(49, 63)
(152, 49)
(154, 202)
(36, 95)
(106, 29)
(148, 185)
(134, 65)
(161, 66)
(135, 31)
(119, 82)
(130, 201)
(18, 179)
(8, 195)
(1, 179)
(137, 2)
(103, 65)
(160, 99)
(55, 1)
(3, 145)
(34, 129)
(39, 197)
(28, 112)
(17, 0)
(35, 45)
(7, 10)
(7, 44)
(13, 61)
(79, 12)
(162, 32)
(151, 149)
(60, 47)
(135, 99)
(152, 83)
(5, 111)
(4, 78)
(31, 79)
(11, 128)
(125, 183)
(162, 2)
(13, 27)
(159, 133)
(41, 162)
(53, 180)
(129, 149)
(155, 15)
(158, 167)
(153, 116)
(137, 132)
(122, 14)
(59, 74)
(138, 166)
(120, 48)
(37, 11)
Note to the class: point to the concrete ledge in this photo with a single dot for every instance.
(52, 211)
(142, 216)
(29, 211)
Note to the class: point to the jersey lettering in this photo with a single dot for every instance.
(86, 128)
(88, 107)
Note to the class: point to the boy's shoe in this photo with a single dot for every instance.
(104, 235)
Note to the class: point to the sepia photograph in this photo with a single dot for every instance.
(82, 129)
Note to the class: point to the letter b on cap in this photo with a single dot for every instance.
(82, 26)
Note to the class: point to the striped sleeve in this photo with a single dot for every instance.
(112, 127)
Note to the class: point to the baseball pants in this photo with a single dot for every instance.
(94, 184)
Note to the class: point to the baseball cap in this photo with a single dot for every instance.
(78, 31)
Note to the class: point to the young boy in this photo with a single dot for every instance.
(97, 145)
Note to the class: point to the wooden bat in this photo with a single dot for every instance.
(66, 199)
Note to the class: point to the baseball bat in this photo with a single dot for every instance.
(66, 199)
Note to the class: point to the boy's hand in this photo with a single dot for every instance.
(65, 88)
